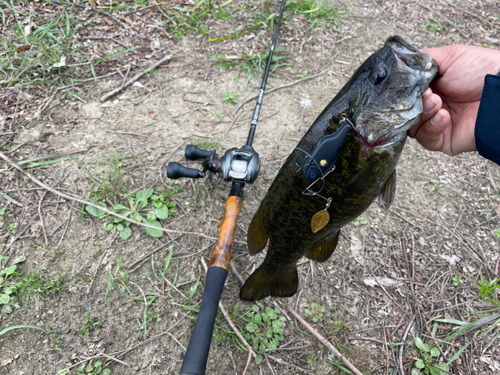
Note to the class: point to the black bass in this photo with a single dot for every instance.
(343, 163)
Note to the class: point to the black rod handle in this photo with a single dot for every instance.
(194, 153)
(195, 360)
(175, 170)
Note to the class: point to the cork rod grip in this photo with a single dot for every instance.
(221, 255)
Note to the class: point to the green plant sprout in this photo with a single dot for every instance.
(315, 312)
(91, 368)
(229, 97)
(264, 329)
(8, 287)
(90, 324)
(456, 281)
(161, 208)
(428, 363)
(360, 221)
(436, 187)
(487, 289)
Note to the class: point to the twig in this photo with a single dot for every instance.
(41, 218)
(177, 341)
(200, 109)
(456, 225)
(39, 112)
(103, 209)
(97, 269)
(276, 88)
(151, 253)
(386, 351)
(128, 133)
(401, 369)
(99, 11)
(283, 363)
(138, 76)
(232, 122)
(325, 342)
(235, 273)
(65, 228)
(109, 38)
(229, 321)
(91, 358)
(248, 363)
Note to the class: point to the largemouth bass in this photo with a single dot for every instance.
(343, 163)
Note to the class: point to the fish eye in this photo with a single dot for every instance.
(378, 74)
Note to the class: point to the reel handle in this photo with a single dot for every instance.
(194, 153)
(175, 170)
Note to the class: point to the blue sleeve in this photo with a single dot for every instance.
(487, 130)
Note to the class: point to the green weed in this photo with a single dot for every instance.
(90, 324)
(91, 368)
(118, 280)
(360, 221)
(437, 188)
(428, 363)
(496, 232)
(111, 185)
(315, 312)
(316, 12)
(7, 227)
(252, 65)
(206, 144)
(456, 281)
(37, 285)
(229, 97)
(488, 289)
(160, 208)
(15, 287)
(8, 287)
(264, 329)
(184, 21)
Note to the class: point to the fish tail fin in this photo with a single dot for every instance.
(261, 284)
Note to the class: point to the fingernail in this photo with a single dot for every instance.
(427, 93)
(438, 117)
(429, 103)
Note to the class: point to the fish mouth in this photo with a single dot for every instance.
(413, 61)
(397, 113)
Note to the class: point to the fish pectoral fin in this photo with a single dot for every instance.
(322, 250)
(261, 284)
(258, 235)
(388, 192)
(364, 177)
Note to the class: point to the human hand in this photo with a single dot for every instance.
(450, 105)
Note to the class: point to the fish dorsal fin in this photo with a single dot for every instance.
(364, 177)
(258, 233)
(322, 250)
(261, 284)
(388, 192)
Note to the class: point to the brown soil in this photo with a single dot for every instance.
(437, 230)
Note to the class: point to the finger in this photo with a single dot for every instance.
(431, 104)
(430, 133)
(444, 56)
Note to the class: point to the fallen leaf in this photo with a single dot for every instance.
(151, 114)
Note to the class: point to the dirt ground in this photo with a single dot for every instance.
(432, 245)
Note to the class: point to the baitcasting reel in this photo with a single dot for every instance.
(237, 164)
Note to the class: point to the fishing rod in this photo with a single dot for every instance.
(240, 166)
